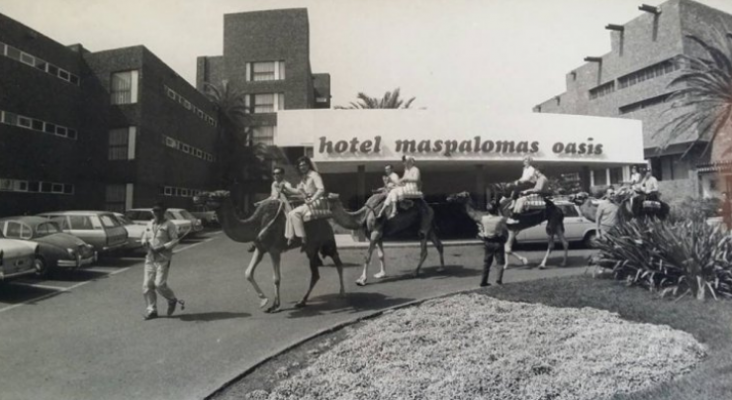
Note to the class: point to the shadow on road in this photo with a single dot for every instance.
(14, 294)
(210, 316)
(351, 303)
(451, 271)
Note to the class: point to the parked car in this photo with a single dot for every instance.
(134, 232)
(207, 216)
(576, 227)
(56, 248)
(142, 216)
(98, 228)
(18, 258)
(181, 214)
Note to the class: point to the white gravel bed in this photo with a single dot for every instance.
(477, 347)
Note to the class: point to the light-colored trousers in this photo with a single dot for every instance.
(295, 225)
(156, 280)
(518, 207)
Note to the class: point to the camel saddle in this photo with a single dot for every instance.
(319, 209)
(651, 205)
(534, 202)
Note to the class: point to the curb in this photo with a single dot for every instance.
(326, 331)
(396, 245)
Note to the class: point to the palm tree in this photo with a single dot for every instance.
(238, 158)
(390, 100)
(704, 97)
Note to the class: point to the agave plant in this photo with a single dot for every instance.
(390, 100)
(703, 95)
(670, 258)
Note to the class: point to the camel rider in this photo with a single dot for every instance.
(528, 176)
(280, 189)
(312, 189)
(635, 177)
(390, 178)
(541, 186)
(410, 182)
(650, 186)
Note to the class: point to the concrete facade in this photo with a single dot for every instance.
(632, 81)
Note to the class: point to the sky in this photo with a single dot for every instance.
(498, 55)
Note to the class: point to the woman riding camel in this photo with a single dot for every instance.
(410, 183)
(312, 189)
(528, 176)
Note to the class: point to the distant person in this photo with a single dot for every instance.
(650, 186)
(493, 232)
(159, 238)
(409, 184)
(279, 191)
(606, 216)
(312, 189)
(541, 187)
(390, 178)
(635, 177)
(726, 211)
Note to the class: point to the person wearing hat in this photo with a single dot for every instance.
(410, 182)
(492, 230)
(159, 239)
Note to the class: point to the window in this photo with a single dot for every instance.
(50, 128)
(114, 198)
(264, 135)
(45, 187)
(170, 142)
(264, 103)
(6, 184)
(57, 188)
(12, 52)
(74, 79)
(10, 118)
(25, 122)
(653, 101)
(199, 153)
(108, 221)
(187, 104)
(61, 131)
(602, 90)
(168, 191)
(569, 210)
(68, 189)
(34, 186)
(647, 73)
(72, 133)
(37, 125)
(81, 222)
(122, 143)
(52, 69)
(124, 87)
(21, 186)
(12, 230)
(265, 71)
(186, 148)
(65, 75)
(26, 58)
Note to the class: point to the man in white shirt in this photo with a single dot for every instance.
(159, 238)
(391, 179)
(650, 186)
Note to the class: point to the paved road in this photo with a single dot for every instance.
(82, 336)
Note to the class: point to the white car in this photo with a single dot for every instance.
(134, 232)
(18, 258)
(141, 216)
(183, 215)
(576, 227)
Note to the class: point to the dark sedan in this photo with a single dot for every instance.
(56, 249)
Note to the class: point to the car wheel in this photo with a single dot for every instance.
(41, 267)
(590, 239)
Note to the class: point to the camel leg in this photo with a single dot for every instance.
(314, 278)
(382, 265)
(339, 266)
(275, 307)
(422, 253)
(509, 251)
(256, 259)
(438, 245)
(550, 247)
(375, 237)
(565, 244)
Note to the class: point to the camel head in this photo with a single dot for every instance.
(579, 198)
(212, 200)
(334, 199)
(460, 198)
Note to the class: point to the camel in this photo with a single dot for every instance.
(375, 229)
(270, 215)
(630, 210)
(587, 205)
(552, 214)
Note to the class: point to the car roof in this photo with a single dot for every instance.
(79, 212)
(28, 219)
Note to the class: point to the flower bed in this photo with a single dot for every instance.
(478, 347)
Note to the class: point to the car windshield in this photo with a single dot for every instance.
(169, 215)
(569, 210)
(108, 221)
(124, 220)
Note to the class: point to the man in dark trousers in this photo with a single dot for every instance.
(492, 229)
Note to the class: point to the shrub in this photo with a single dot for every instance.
(694, 209)
(683, 257)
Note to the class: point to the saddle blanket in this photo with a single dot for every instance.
(652, 204)
(408, 191)
(317, 210)
(534, 202)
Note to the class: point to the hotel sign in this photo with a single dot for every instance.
(378, 136)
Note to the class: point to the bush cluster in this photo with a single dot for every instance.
(685, 256)
(694, 209)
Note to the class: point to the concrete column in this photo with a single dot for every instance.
(607, 176)
(361, 184)
(480, 186)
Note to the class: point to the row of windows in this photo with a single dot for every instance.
(188, 149)
(265, 71)
(264, 102)
(18, 185)
(602, 90)
(33, 61)
(188, 106)
(179, 192)
(13, 119)
(653, 101)
(662, 68)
